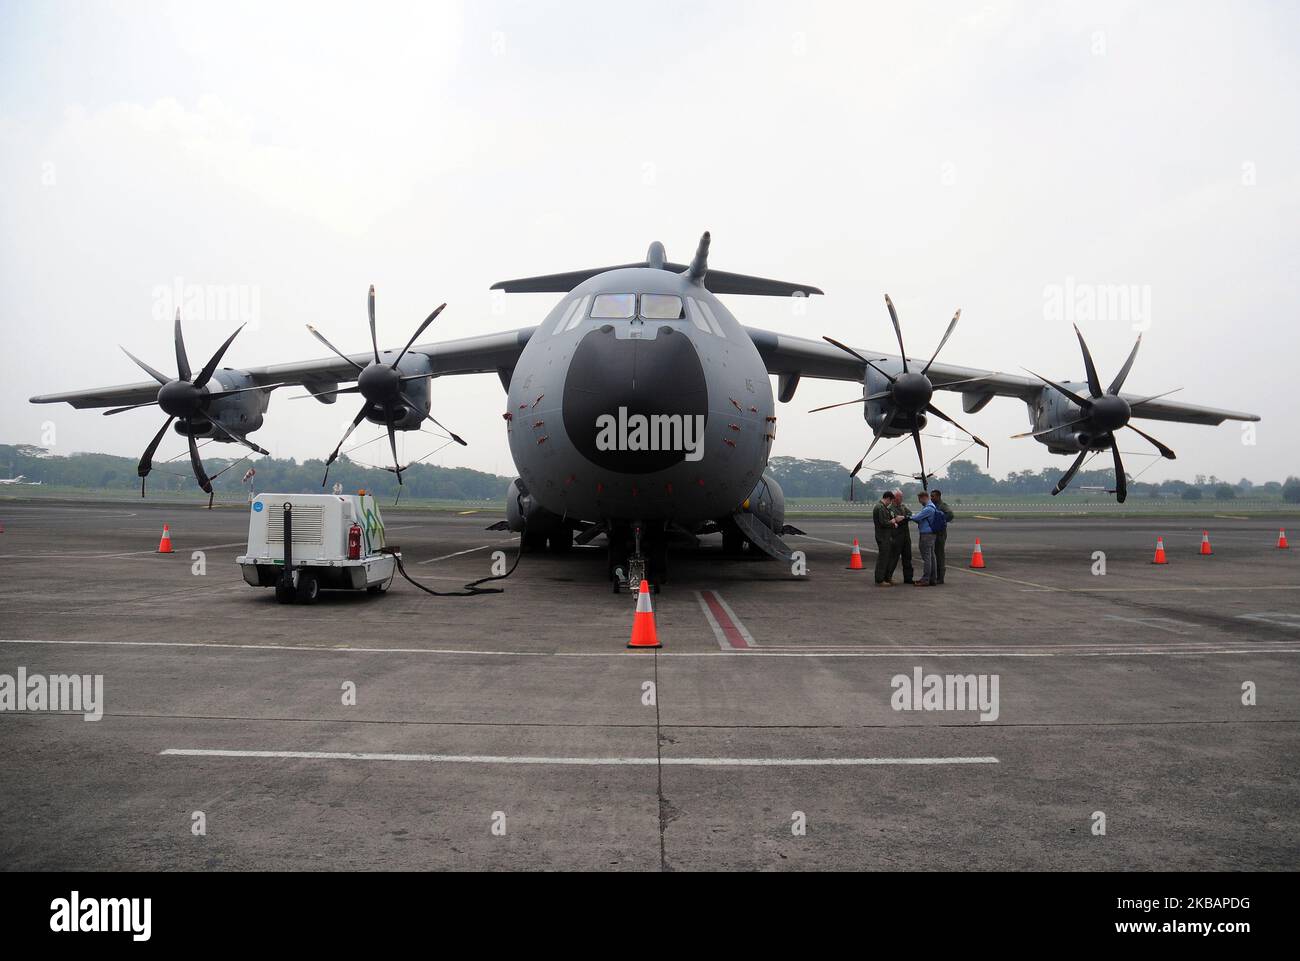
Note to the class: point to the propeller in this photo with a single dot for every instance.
(186, 398)
(908, 393)
(382, 386)
(1102, 413)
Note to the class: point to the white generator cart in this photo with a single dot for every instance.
(301, 544)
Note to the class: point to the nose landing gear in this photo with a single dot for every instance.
(636, 554)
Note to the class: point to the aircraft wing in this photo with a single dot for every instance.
(792, 358)
(486, 353)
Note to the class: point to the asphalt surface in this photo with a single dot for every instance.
(1118, 693)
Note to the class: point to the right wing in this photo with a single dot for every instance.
(485, 353)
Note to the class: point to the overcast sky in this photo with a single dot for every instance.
(1009, 159)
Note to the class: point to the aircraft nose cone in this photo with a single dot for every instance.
(1110, 413)
(912, 392)
(180, 398)
(636, 405)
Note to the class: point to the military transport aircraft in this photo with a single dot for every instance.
(639, 408)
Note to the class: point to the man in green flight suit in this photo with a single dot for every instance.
(882, 518)
(936, 498)
(902, 539)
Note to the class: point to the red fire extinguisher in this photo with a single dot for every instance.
(354, 542)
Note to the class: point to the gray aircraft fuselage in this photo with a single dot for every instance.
(595, 400)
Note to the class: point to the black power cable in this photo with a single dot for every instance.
(471, 589)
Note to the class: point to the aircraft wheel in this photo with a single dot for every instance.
(562, 542)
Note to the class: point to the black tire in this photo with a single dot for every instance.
(377, 588)
(533, 542)
(561, 542)
(284, 592)
(308, 588)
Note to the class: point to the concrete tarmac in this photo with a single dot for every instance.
(1119, 694)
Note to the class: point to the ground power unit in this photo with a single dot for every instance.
(301, 544)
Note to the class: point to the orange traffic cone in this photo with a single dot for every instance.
(1160, 552)
(1205, 544)
(165, 545)
(643, 621)
(1281, 541)
(977, 557)
(855, 557)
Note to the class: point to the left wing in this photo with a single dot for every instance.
(486, 353)
(792, 358)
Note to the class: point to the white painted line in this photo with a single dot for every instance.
(471, 550)
(984, 651)
(582, 761)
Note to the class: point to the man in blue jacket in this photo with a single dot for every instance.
(923, 519)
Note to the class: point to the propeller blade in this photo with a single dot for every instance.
(374, 338)
(1048, 430)
(861, 400)
(878, 434)
(418, 331)
(1121, 481)
(924, 478)
(218, 394)
(1146, 400)
(392, 442)
(146, 368)
(898, 330)
(237, 439)
(118, 410)
(952, 324)
(321, 337)
(198, 466)
(1123, 371)
(354, 389)
(182, 359)
(942, 416)
(1165, 452)
(452, 434)
(361, 415)
(1094, 382)
(1081, 401)
(849, 350)
(1064, 482)
(146, 459)
(210, 367)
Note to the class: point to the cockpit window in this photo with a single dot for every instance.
(614, 307)
(661, 307)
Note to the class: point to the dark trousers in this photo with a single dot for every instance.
(886, 558)
(939, 540)
(902, 552)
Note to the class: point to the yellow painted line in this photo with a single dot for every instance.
(463, 513)
(986, 517)
(1233, 517)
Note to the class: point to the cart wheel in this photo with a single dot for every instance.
(308, 588)
(284, 592)
(377, 588)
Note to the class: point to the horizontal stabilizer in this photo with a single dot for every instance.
(717, 282)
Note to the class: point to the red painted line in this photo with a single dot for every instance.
(729, 629)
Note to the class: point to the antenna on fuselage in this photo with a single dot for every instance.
(656, 256)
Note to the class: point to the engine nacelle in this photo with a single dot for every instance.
(240, 414)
